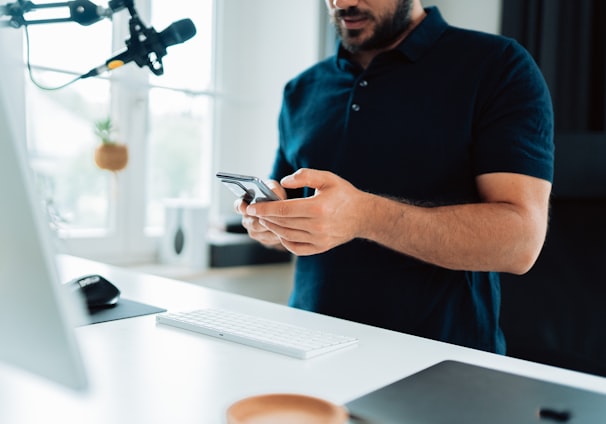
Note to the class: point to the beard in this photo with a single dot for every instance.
(387, 28)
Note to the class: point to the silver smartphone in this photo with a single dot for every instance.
(251, 189)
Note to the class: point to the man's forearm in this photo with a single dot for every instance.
(478, 237)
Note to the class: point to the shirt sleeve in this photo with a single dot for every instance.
(515, 118)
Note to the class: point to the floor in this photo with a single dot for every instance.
(266, 282)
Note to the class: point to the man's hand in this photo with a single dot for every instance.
(331, 217)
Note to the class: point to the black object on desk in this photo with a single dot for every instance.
(104, 302)
(96, 290)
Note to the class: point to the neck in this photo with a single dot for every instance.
(363, 58)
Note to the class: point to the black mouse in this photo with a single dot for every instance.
(97, 291)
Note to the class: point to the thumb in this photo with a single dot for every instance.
(305, 177)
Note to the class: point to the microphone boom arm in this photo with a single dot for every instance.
(83, 12)
(145, 47)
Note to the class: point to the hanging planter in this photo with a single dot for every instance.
(110, 154)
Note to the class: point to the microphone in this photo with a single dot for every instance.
(146, 47)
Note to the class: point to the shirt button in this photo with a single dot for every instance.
(363, 83)
(355, 107)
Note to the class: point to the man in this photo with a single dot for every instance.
(418, 164)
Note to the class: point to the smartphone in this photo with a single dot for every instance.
(249, 188)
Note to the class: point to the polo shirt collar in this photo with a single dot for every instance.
(424, 36)
(419, 41)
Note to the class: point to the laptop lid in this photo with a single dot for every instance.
(452, 392)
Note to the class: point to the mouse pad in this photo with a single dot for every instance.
(124, 309)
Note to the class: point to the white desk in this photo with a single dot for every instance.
(141, 372)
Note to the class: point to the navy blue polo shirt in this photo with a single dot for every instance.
(420, 123)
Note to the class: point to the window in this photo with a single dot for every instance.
(166, 122)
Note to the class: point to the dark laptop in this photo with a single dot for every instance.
(452, 392)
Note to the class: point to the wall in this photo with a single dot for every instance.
(260, 46)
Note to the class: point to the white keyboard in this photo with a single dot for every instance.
(274, 336)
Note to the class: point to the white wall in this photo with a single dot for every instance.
(482, 15)
(261, 44)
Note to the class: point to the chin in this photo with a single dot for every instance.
(352, 43)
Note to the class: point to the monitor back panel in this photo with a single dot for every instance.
(37, 315)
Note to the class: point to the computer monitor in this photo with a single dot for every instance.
(38, 314)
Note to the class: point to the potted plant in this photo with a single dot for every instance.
(110, 154)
